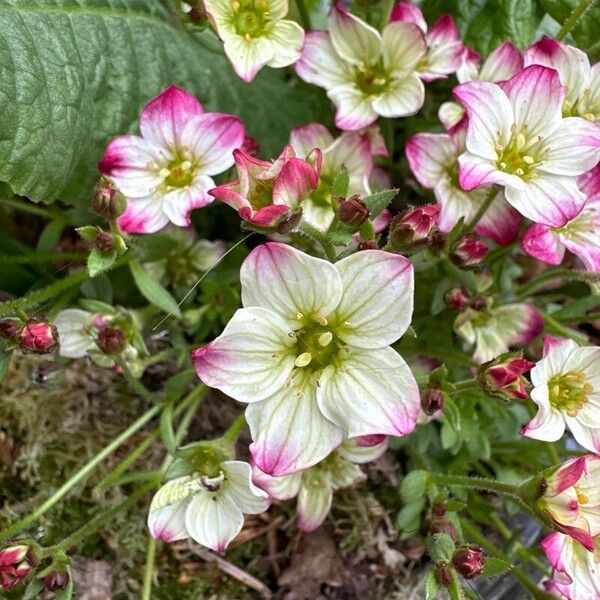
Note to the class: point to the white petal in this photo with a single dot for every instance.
(287, 38)
(314, 503)
(377, 303)
(359, 453)
(403, 47)
(168, 523)
(371, 392)
(143, 215)
(70, 324)
(548, 424)
(248, 57)
(179, 204)
(403, 97)
(278, 488)
(306, 137)
(354, 108)
(249, 498)
(429, 155)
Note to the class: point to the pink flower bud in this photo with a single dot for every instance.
(14, 566)
(507, 377)
(39, 337)
(13, 555)
(55, 581)
(432, 401)
(469, 561)
(250, 145)
(414, 226)
(104, 241)
(470, 251)
(111, 340)
(353, 211)
(457, 298)
(10, 328)
(107, 201)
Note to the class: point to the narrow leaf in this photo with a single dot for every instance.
(153, 291)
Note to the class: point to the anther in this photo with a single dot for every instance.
(519, 172)
(321, 320)
(164, 172)
(528, 159)
(325, 338)
(303, 359)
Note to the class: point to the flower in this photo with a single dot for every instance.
(572, 498)
(266, 192)
(208, 507)
(444, 48)
(469, 561)
(494, 330)
(433, 158)
(566, 389)
(581, 82)
(469, 251)
(310, 353)
(575, 575)
(166, 173)
(14, 566)
(414, 227)
(506, 377)
(314, 486)
(366, 74)
(255, 34)
(580, 235)
(517, 138)
(39, 337)
(504, 62)
(10, 329)
(352, 151)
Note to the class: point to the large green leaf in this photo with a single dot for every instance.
(74, 73)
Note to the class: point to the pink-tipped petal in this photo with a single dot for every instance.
(428, 155)
(475, 171)
(246, 495)
(269, 216)
(409, 12)
(354, 110)
(296, 181)
(541, 242)
(247, 57)
(314, 503)
(501, 221)
(303, 139)
(503, 63)
(143, 215)
(179, 204)
(403, 47)
(278, 488)
(168, 523)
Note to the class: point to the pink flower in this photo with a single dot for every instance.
(517, 138)
(470, 251)
(39, 337)
(166, 173)
(414, 227)
(14, 566)
(444, 48)
(433, 158)
(265, 192)
(507, 377)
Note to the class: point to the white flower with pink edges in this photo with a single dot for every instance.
(518, 138)
(444, 47)
(209, 508)
(566, 389)
(314, 487)
(310, 353)
(167, 171)
(255, 34)
(433, 159)
(367, 74)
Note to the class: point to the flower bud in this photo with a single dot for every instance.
(104, 241)
(469, 252)
(56, 580)
(39, 337)
(107, 201)
(432, 401)
(469, 561)
(414, 226)
(439, 525)
(506, 377)
(111, 340)
(368, 245)
(456, 298)
(290, 223)
(14, 565)
(443, 574)
(439, 509)
(10, 329)
(353, 211)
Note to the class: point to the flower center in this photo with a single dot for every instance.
(322, 195)
(261, 195)
(521, 156)
(371, 80)
(568, 393)
(179, 171)
(212, 484)
(250, 17)
(317, 346)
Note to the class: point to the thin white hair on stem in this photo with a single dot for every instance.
(191, 290)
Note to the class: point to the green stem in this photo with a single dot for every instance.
(80, 475)
(318, 236)
(477, 483)
(148, 569)
(553, 453)
(35, 257)
(304, 16)
(27, 207)
(551, 325)
(574, 17)
(538, 282)
(388, 6)
(233, 432)
(135, 383)
(481, 211)
(467, 385)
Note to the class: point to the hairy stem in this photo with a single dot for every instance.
(573, 19)
(481, 211)
(477, 483)
(321, 239)
(388, 6)
(304, 16)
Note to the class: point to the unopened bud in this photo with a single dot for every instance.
(111, 340)
(469, 252)
(353, 211)
(414, 227)
(368, 245)
(478, 304)
(290, 223)
(55, 581)
(104, 241)
(107, 201)
(507, 377)
(432, 401)
(439, 509)
(457, 298)
(38, 336)
(10, 329)
(443, 573)
(14, 565)
(469, 561)
(443, 526)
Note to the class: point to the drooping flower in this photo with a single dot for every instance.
(576, 570)
(494, 330)
(266, 192)
(580, 235)
(255, 34)
(444, 47)
(167, 171)
(366, 74)
(310, 353)
(315, 486)
(566, 389)
(351, 150)
(517, 138)
(506, 377)
(504, 62)
(14, 565)
(206, 506)
(581, 81)
(572, 498)
(433, 158)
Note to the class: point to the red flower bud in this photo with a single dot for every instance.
(104, 241)
(55, 581)
(353, 211)
(439, 509)
(39, 337)
(507, 377)
(10, 328)
(469, 561)
(368, 245)
(443, 574)
(111, 340)
(14, 566)
(107, 201)
(432, 401)
(469, 251)
(457, 298)
(414, 227)
(443, 526)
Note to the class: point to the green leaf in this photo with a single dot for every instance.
(33, 589)
(167, 433)
(414, 485)
(378, 201)
(150, 248)
(340, 184)
(441, 547)
(153, 291)
(4, 363)
(96, 306)
(452, 414)
(77, 72)
(88, 232)
(578, 309)
(409, 517)
(495, 566)
(432, 586)
(99, 261)
(50, 236)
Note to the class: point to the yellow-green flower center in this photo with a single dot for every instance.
(179, 172)
(250, 17)
(569, 393)
(322, 195)
(521, 156)
(261, 195)
(372, 80)
(316, 346)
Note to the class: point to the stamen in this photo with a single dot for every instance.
(528, 159)
(303, 360)
(235, 5)
(325, 338)
(519, 172)
(321, 320)
(299, 316)
(164, 172)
